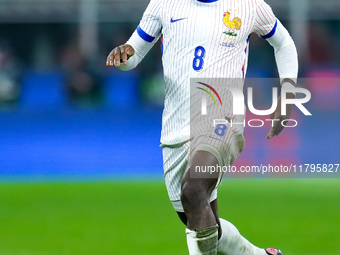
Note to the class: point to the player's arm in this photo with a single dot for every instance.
(270, 28)
(287, 65)
(129, 55)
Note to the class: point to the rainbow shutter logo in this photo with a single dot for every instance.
(204, 99)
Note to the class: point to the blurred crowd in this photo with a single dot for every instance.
(10, 74)
(35, 50)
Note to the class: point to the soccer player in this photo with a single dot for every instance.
(205, 39)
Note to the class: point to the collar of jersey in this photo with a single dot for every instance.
(207, 1)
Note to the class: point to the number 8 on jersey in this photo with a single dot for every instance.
(199, 59)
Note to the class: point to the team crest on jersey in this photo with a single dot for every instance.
(233, 26)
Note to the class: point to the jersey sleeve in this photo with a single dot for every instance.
(146, 35)
(265, 20)
(150, 26)
(285, 53)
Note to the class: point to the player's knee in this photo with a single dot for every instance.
(194, 194)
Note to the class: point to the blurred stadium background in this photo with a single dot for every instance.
(65, 116)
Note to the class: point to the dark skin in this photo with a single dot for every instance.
(199, 212)
(213, 206)
(277, 127)
(196, 192)
(120, 54)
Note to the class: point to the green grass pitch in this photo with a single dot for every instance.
(301, 217)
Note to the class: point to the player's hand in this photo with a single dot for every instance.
(277, 126)
(120, 54)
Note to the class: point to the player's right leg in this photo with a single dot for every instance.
(197, 188)
(213, 206)
(198, 197)
(202, 215)
(175, 158)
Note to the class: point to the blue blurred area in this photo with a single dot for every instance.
(320, 138)
(45, 136)
(68, 142)
(76, 142)
(43, 90)
(122, 89)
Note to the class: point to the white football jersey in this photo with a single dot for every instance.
(201, 39)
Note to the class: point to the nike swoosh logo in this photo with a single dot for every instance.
(175, 20)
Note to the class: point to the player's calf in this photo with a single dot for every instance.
(196, 192)
(202, 228)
